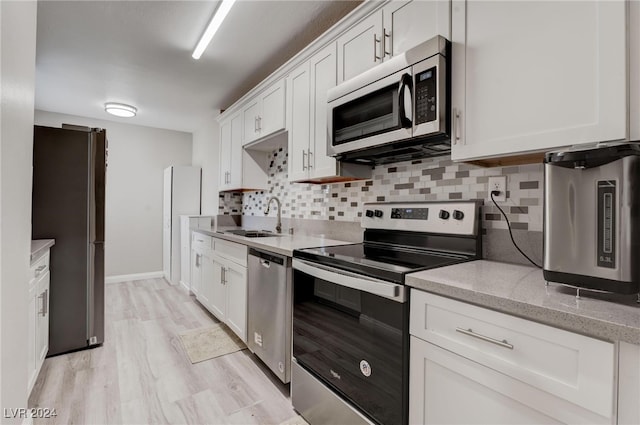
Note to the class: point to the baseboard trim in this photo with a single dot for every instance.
(185, 286)
(135, 276)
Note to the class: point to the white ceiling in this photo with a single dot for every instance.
(139, 53)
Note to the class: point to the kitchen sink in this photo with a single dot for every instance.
(252, 233)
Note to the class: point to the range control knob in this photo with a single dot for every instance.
(378, 213)
(458, 215)
(369, 213)
(444, 215)
(395, 213)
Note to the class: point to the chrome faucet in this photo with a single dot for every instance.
(266, 211)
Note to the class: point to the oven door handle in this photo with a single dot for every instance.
(351, 280)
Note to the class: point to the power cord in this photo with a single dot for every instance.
(497, 192)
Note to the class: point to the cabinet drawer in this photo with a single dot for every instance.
(39, 268)
(573, 367)
(231, 251)
(200, 240)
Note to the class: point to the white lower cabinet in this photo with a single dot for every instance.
(199, 244)
(629, 384)
(474, 365)
(38, 318)
(222, 276)
(235, 285)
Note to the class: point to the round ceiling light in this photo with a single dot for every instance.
(120, 109)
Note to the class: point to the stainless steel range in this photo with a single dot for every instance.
(351, 310)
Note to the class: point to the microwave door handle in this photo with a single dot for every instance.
(405, 103)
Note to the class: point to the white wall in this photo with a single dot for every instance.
(137, 157)
(17, 76)
(206, 142)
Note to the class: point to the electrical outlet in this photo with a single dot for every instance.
(498, 183)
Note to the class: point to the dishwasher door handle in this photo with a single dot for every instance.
(265, 263)
(352, 280)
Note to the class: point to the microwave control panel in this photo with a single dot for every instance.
(426, 97)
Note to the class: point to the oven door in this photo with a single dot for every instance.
(351, 333)
(378, 113)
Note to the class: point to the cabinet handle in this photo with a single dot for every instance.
(456, 125)
(304, 160)
(470, 332)
(259, 123)
(376, 58)
(309, 153)
(43, 298)
(197, 260)
(386, 36)
(255, 124)
(40, 269)
(223, 278)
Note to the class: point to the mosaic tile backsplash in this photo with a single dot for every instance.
(435, 179)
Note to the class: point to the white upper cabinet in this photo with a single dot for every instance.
(408, 23)
(534, 75)
(264, 114)
(231, 152)
(634, 69)
(250, 115)
(323, 77)
(391, 30)
(307, 88)
(298, 122)
(360, 47)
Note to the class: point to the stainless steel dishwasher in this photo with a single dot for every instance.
(269, 310)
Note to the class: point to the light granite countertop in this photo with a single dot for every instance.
(521, 291)
(284, 244)
(39, 247)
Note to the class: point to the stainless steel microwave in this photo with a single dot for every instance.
(395, 111)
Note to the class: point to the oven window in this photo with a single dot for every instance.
(369, 115)
(356, 343)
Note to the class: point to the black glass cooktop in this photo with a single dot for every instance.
(381, 262)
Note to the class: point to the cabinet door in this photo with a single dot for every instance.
(225, 154)
(196, 272)
(298, 115)
(235, 277)
(207, 280)
(516, 88)
(42, 322)
(323, 77)
(629, 384)
(216, 291)
(32, 314)
(440, 380)
(250, 114)
(235, 164)
(360, 47)
(409, 23)
(271, 118)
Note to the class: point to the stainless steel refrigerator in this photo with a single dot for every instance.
(69, 175)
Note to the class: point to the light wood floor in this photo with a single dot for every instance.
(141, 374)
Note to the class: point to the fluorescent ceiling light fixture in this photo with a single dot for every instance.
(120, 109)
(216, 21)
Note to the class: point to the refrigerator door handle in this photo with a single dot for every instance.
(97, 183)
